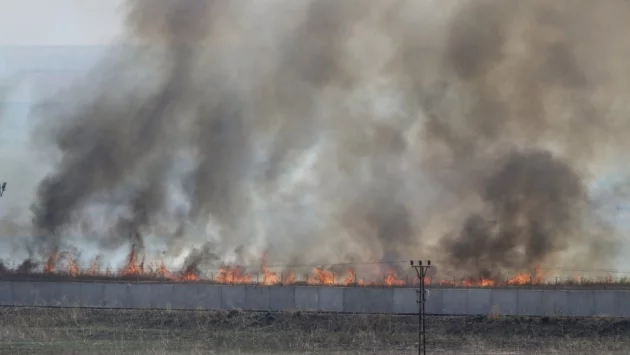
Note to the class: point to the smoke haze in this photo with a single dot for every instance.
(343, 131)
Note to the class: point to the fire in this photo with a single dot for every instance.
(392, 279)
(322, 277)
(233, 276)
(351, 279)
(133, 268)
(66, 263)
(51, 263)
(528, 278)
(325, 277)
(163, 271)
(269, 278)
(189, 276)
(95, 267)
(289, 278)
(74, 268)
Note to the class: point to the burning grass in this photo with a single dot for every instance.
(64, 266)
(85, 331)
(240, 277)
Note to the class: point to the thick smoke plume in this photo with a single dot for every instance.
(345, 131)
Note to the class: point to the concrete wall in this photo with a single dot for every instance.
(526, 302)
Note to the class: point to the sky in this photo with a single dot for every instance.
(59, 22)
(43, 44)
(39, 37)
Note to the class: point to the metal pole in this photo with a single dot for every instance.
(421, 339)
(424, 326)
(421, 271)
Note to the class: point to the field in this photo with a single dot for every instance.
(93, 331)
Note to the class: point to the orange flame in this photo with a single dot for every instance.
(51, 263)
(233, 276)
(163, 271)
(392, 279)
(269, 278)
(74, 269)
(95, 267)
(133, 268)
(66, 264)
(289, 278)
(189, 276)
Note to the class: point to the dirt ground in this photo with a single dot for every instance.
(85, 331)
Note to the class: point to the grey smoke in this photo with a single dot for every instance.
(332, 131)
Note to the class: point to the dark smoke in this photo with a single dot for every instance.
(536, 203)
(337, 131)
(107, 142)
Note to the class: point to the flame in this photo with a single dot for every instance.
(289, 278)
(133, 268)
(322, 277)
(65, 263)
(189, 276)
(269, 278)
(392, 279)
(163, 271)
(233, 276)
(528, 278)
(51, 263)
(95, 267)
(74, 268)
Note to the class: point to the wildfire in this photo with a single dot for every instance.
(74, 268)
(95, 267)
(269, 278)
(51, 263)
(163, 271)
(66, 264)
(189, 276)
(392, 279)
(527, 278)
(133, 268)
(351, 279)
(234, 276)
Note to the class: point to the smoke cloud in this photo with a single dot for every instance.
(344, 131)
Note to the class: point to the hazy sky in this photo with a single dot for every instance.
(59, 22)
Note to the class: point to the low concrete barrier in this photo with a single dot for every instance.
(442, 301)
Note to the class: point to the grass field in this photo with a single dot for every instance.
(84, 331)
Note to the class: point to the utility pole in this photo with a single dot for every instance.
(423, 295)
(2, 188)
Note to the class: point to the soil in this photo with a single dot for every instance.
(89, 331)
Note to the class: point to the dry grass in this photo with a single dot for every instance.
(84, 331)
(561, 283)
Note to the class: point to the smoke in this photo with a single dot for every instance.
(527, 137)
(328, 131)
(532, 216)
